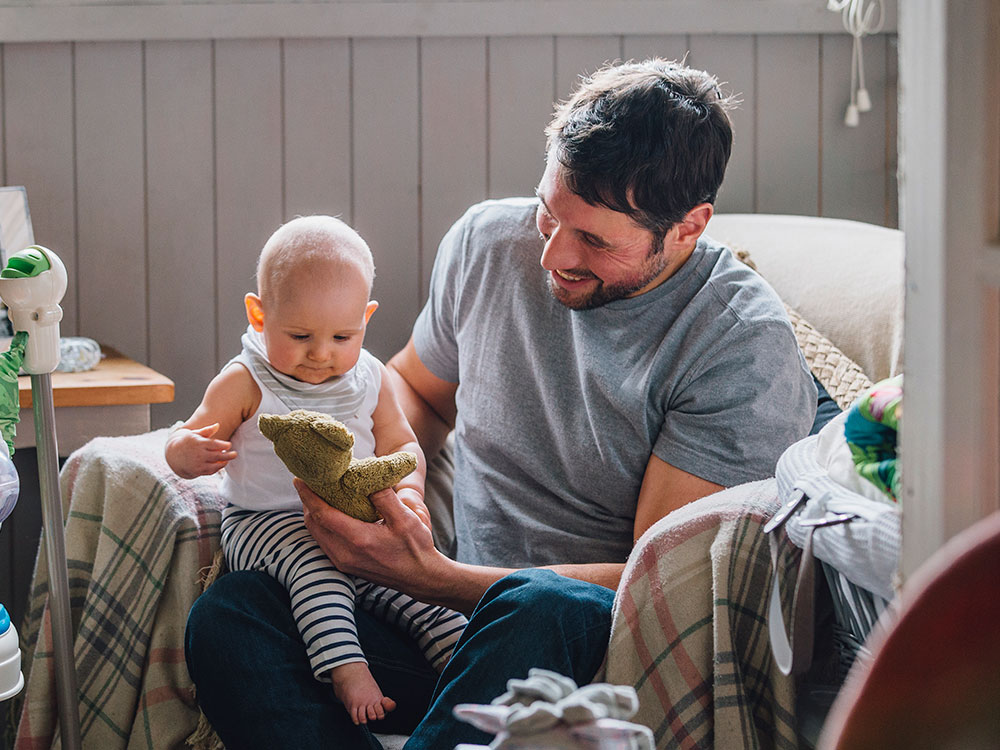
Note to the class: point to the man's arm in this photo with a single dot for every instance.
(664, 489)
(400, 553)
(397, 552)
(427, 400)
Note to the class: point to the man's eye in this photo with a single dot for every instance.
(543, 223)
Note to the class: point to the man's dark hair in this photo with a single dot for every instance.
(649, 139)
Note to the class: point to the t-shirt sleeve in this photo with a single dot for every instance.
(434, 332)
(747, 399)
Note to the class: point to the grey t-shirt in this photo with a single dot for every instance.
(559, 409)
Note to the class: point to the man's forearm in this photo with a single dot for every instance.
(608, 575)
(462, 586)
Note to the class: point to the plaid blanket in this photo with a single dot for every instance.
(689, 627)
(136, 536)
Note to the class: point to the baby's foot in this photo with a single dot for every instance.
(354, 685)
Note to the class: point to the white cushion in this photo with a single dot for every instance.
(844, 277)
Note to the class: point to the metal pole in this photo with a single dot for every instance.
(67, 694)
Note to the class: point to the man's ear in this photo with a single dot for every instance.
(370, 309)
(255, 311)
(689, 228)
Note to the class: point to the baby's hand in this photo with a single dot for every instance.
(412, 500)
(195, 453)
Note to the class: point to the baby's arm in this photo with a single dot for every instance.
(201, 445)
(393, 433)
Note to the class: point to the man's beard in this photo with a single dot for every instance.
(656, 261)
(601, 296)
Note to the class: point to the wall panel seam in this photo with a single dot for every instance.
(215, 206)
(489, 118)
(76, 179)
(418, 277)
(350, 127)
(756, 120)
(820, 93)
(145, 201)
(3, 117)
(283, 142)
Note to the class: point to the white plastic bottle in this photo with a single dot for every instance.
(11, 679)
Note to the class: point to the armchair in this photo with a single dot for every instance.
(688, 627)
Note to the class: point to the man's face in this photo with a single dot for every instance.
(595, 255)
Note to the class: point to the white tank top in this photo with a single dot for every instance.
(257, 479)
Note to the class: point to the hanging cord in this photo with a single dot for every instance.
(860, 18)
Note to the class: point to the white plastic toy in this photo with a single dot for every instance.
(32, 285)
(547, 711)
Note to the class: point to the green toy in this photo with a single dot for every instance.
(10, 405)
(320, 451)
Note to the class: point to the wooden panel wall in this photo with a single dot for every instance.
(158, 168)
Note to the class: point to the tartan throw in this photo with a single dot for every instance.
(136, 538)
(689, 629)
(689, 626)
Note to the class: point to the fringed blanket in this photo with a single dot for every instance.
(689, 628)
(136, 537)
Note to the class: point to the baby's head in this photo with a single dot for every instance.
(314, 279)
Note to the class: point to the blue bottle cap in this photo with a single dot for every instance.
(4, 620)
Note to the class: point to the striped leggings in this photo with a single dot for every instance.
(278, 543)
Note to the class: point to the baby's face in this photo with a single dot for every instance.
(315, 328)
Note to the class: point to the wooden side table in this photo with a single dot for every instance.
(112, 399)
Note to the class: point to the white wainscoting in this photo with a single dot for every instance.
(157, 167)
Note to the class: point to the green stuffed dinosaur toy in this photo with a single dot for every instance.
(319, 450)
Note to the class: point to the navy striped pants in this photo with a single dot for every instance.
(323, 599)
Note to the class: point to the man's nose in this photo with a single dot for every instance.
(559, 252)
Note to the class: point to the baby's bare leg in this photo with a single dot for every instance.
(354, 685)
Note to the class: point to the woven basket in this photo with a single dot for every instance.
(842, 377)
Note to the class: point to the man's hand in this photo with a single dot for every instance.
(195, 453)
(397, 552)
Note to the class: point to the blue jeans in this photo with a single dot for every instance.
(255, 685)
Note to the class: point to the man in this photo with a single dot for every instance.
(640, 368)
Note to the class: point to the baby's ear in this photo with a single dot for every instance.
(255, 311)
(370, 310)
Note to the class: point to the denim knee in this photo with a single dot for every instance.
(223, 607)
(541, 596)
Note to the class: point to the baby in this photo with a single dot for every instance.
(303, 349)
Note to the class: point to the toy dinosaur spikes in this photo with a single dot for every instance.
(319, 450)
